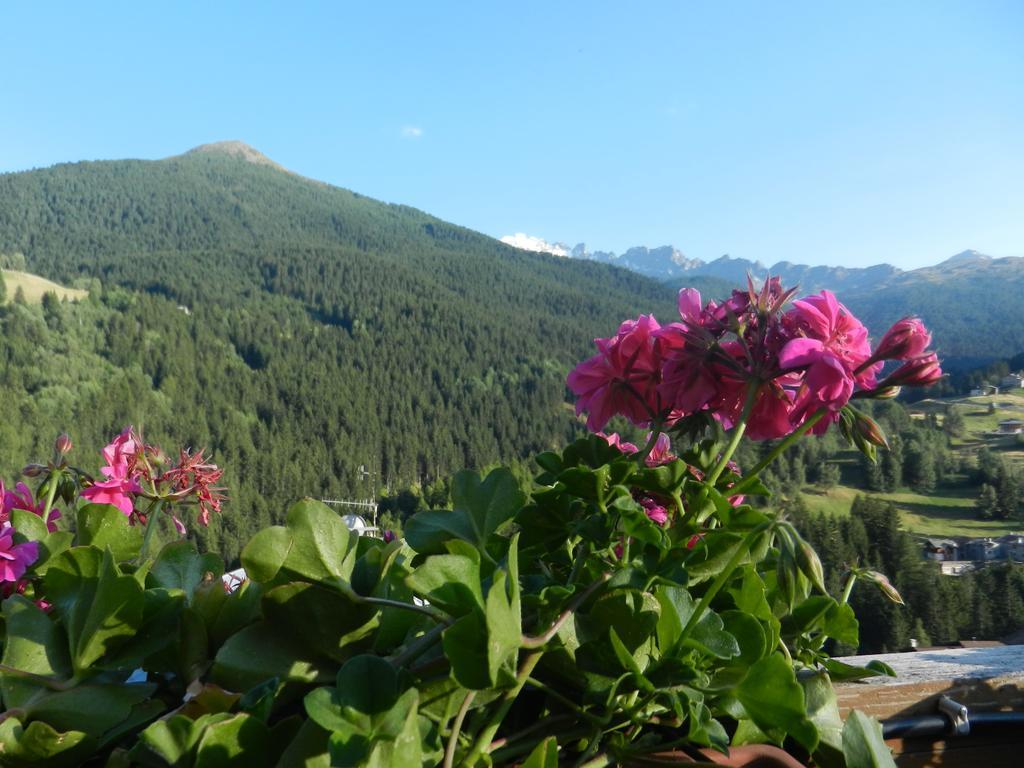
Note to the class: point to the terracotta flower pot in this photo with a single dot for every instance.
(749, 756)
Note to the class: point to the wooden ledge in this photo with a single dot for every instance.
(985, 679)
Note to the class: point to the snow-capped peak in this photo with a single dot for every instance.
(531, 243)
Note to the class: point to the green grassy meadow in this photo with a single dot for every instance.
(947, 512)
(34, 287)
(950, 510)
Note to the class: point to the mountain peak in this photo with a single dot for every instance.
(238, 149)
(967, 256)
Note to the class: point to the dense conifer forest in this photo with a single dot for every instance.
(299, 331)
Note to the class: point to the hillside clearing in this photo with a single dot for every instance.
(35, 286)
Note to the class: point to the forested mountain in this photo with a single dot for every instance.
(970, 301)
(297, 329)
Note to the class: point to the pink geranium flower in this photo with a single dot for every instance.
(122, 455)
(615, 441)
(21, 498)
(916, 372)
(907, 338)
(661, 453)
(15, 558)
(654, 510)
(822, 324)
(622, 379)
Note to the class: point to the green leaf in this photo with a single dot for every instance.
(479, 509)
(749, 634)
(265, 553)
(504, 618)
(823, 711)
(808, 615)
(665, 479)
(29, 525)
(172, 742)
(308, 749)
(450, 582)
(707, 635)
(257, 653)
(100, 608)
(586, 483)
(841, 671)
(544, 755)
(863, 744)
(368, 684)
(180, 566)
(322, 549)
(750, 595)
(841, 624)
(161, 613)
(465, 645)
(92, 709)
(773, 698)
(239, 609)
(241, 741)
(38, 745)
(629, 662)
(637, 525)
(368, 720)
(33, 644)
(323, 620)
(709, 560)
(107, 527)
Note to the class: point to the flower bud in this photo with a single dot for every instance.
(906, 339)
(885, 393)
(33, 470)
(810, 565)
(63, 445)
(868, 429)
(917, 372)
(881, 581)
(785, 577)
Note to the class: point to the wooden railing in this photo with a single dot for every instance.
(984, 680)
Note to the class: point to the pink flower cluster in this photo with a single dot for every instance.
(122, 472)
(749, 356)
(131, 463)
(16, 558)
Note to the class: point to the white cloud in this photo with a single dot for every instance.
(411, 132)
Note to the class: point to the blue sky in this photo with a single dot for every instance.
(838, 133)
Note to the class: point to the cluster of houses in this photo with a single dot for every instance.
(960, 554)
(1010, 381)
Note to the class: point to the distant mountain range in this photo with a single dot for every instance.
(669, 264)
(971, 300)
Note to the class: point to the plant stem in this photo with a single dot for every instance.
(600, 761)
(47, 682)
(651, 442)
(539, 641)
(737, 434)
(151, 516)
(50, 496)
(742, 550)
(417, 646)
(426, 610)
(785, 651)
(453, 739)
(804, 428)
(486, 736)
(848, 587)
(581, 556)
(565, 701)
